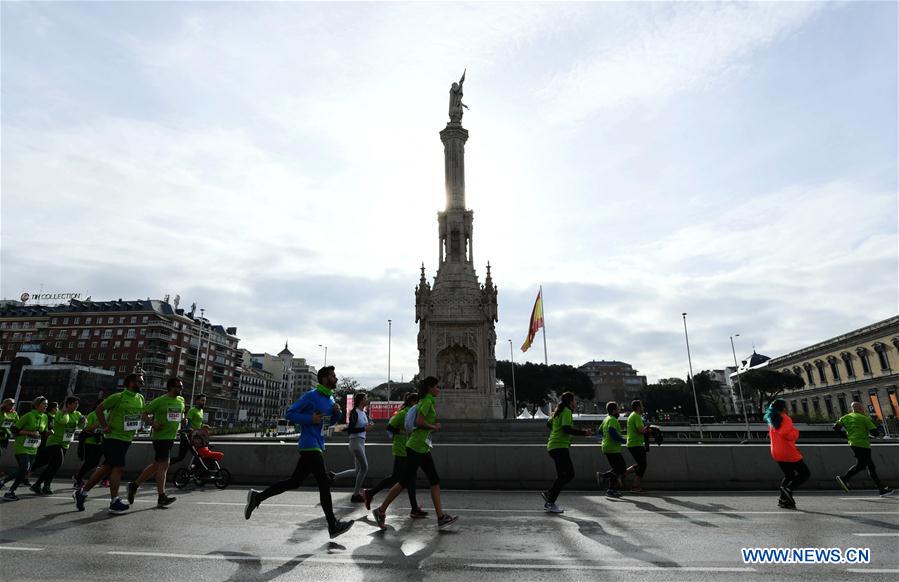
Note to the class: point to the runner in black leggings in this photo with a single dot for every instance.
(783, 436)
(562, 424)
(396, 426)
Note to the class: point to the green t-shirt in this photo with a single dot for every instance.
(420, 439)
(635, 438)
(88, 423)
(857, 426)
(166, 411)
(610, 445)
(7, 421)
(195, 418)
(397, 424)
(31, 421)
(64, 425)
(558, 438)
(123, 414)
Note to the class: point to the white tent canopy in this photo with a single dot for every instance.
(525, 415)
(540, 414)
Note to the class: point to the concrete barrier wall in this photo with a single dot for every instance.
(523, 466)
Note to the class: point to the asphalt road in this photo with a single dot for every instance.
(499, 536)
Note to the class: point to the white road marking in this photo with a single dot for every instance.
(877, 535)
(241, 558)
(21, 549)
(636, 568)
(874, 570)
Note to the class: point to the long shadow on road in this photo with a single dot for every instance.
(594, 531)
(249, 566)
(646, 506)
(717, 508)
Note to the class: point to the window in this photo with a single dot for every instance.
(145, 319)
(834, 370)
(117, 345)
(101, 356)
(65, 321)
(125, 356)
(863, 356)
(847, 360)
(121, 320)
(820, 365)
(71, 344)
(107, 334)
(58, 344)
(96, 333)
(882, 358)
(808, 374)
(104, 344)
(76, 321)
(80, 344)
(841, 399)
(63, 334)
(88, 320)
(110, 320)
(54, 321)
(120, 332)
(140, 344)
(85, 333)
(123, 368)
(115, 356)
(94, 344)
(92, 356)
(131, 333)
(127, 343)
(134, 319)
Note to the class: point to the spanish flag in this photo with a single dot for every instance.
(536, 321)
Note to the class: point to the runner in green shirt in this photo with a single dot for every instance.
(859, 427)
(65, 423)
(167, 412)
(611, 448)
(418, 455)
(8, 418)
(562, 431)
(93, 451)
(636, 444)
(119, 416)
(29, 428)
(192, 421)
(396, 427)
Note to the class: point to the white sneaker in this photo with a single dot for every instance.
(552, 508)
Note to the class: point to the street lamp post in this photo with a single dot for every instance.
(692, 382)
(389, 338)
(326, 354)
(739, 383)
(514, 394)
(193, 385)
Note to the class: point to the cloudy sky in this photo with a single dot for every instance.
(279, 164)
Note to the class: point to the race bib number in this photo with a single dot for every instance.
(132, 422)
(69, 435)
(174, 415)
(31, 442)
(7, 424)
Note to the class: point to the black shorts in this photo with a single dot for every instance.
(616, 460)
(114, 452)
(423, 461)
(161, 450)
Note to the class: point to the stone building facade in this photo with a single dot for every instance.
(861, 365)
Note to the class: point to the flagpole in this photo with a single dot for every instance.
(543, 308)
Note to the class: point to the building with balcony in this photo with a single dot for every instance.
(613, 381)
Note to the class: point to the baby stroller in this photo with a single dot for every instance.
(204, 465)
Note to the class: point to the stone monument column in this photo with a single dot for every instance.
(457, 315)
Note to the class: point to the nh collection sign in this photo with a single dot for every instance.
(26, 297)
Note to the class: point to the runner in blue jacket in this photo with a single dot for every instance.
(314, 411)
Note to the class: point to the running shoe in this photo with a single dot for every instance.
(252, 503)
(357, 499)
(77, 483)
(380, 517)
(784, 504)
(613, 493)
(843, 485)
(787, 494)
(45, 490)
(447, 520)
(132, 491)
(339, 527)
(36, 489)
(638, 490)
(79, 497)
(552, 508)
(885, 492)
(118, 506)
(367, 498)
(26, 483)
(164, 501)
(105, 483)
(418, 513)
(10, 496)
